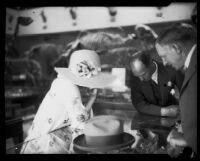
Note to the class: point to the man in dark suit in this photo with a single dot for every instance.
(151, 84)
(177, 47)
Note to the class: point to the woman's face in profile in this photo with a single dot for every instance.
(85, 91)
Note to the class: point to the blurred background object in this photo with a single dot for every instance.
(194, 16)
(45, 55)
(44, 19)
(24, 21)
(147, 37)
(73, 13)
(112, 13)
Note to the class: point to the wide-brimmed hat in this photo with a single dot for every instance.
(85, 70)
(103, 133)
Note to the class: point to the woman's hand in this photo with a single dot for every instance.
(81, 118)
(91, 100)
(94, 93)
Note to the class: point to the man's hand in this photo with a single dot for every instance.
(137, 135)
(176, 143)
(171, 111)
(175, 139)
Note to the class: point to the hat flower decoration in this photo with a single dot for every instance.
(87, 69)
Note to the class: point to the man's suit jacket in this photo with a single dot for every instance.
(188, 103)
(143, 96)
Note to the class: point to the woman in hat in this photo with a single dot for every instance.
(61, 115)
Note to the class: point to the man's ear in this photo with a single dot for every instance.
(177, 48)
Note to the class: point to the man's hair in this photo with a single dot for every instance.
(181, 33)
(143, 56)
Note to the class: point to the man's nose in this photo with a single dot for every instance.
(164, 62)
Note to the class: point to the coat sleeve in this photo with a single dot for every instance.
(188, 104)
(139, 101)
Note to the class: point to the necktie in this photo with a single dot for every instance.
(156, 91)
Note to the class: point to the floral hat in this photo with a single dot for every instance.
(85, 70)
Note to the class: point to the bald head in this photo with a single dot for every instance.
(137, 66)
(141, 65)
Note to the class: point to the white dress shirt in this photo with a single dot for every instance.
(154, 76)
(188, 58)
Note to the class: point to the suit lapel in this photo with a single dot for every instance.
(148, 91)
(162, 77)
(190, 71)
